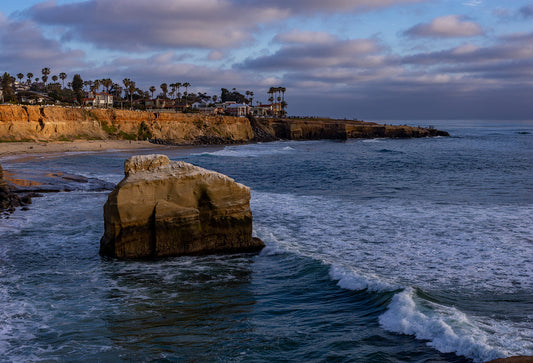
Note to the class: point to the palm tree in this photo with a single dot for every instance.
(186, 85)
(63, 76)
(97, 83)
(178, 86)
(116, 90)
(251, 98)
(88, 84)
(283, 103)
(152, 90)
(107, 83)
(214, 98)
(55, 78)
(45, 72)
(29, 76)
(271, 93)
(129, 86)
(164, 88)
(20, 76)
(173, 87)
(131, 89)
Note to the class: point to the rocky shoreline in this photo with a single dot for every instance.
(52, 124)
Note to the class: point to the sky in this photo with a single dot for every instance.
(365, 59)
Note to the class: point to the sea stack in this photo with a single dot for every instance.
(171, 208)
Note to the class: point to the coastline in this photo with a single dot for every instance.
(24, 148)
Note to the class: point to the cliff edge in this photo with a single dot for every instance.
(36, 123)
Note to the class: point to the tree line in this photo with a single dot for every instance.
(75, 90)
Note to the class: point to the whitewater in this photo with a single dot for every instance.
(377, 250)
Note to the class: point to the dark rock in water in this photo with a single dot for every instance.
(8, 199)
(42, 181)
(163, 208)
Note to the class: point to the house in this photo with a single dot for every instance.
(33, 98)
(263, 110)
(98, 99)
(20, 87)
(238, 109)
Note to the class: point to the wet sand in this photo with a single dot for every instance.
(20, 148)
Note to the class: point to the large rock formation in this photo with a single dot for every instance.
(171, 208)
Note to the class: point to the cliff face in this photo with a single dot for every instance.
(311, 129)
(171, 208)
(27, 123)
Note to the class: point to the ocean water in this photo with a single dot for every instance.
(381, 250)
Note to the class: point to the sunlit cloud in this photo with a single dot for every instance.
(449, 26)
(473, 3)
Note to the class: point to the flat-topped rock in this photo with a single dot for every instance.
(171, 208)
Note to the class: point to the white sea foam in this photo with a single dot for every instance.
(407, 243)
(350, 279)
(252, 150)
(449, 330)
(384, 246)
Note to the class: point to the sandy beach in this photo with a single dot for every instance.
(20, 148)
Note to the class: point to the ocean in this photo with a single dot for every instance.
(383, 250)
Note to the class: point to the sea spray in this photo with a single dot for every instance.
(445, 328)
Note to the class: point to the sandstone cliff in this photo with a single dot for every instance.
(163, 208)
(27, 123)
(309, 129)
(34, 123)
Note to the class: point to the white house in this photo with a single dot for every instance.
(238, 109)
(99, 99)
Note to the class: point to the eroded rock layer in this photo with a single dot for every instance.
(171, 208)
(35, 123)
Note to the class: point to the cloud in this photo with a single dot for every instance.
(526, 11)
(449, 26)
(473, 3)
(317, 50)
(156, 24)
(161, 24)
(298, 7)
(215, 55)
(24, 48)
